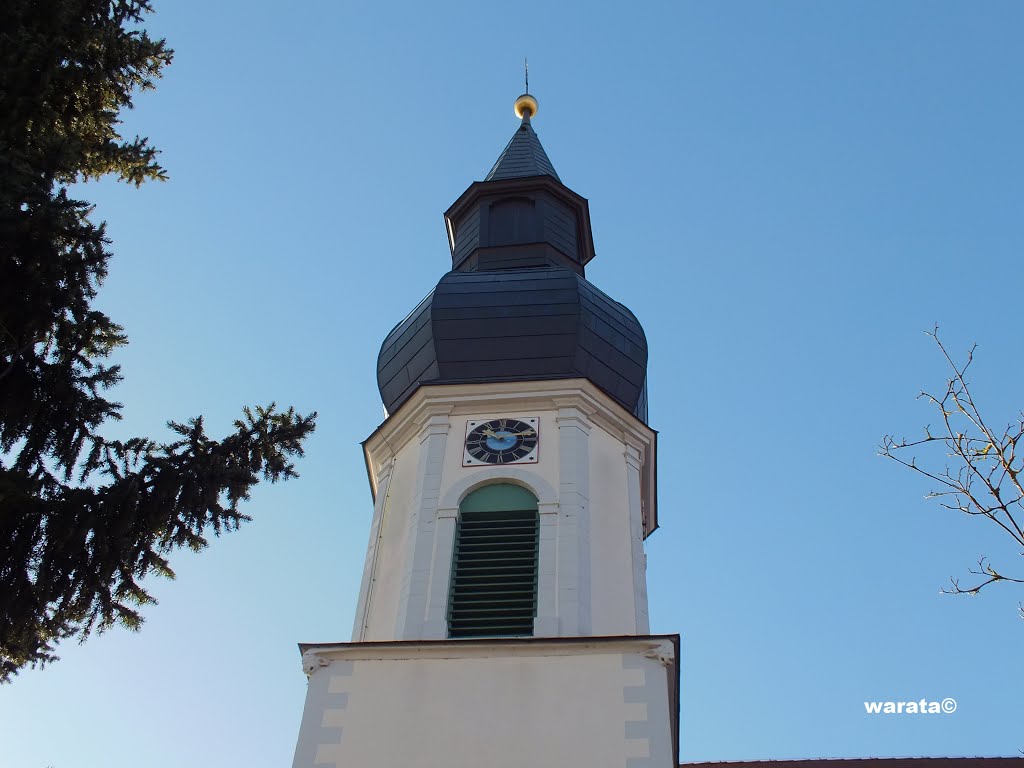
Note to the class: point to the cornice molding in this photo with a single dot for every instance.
(660, 647)
(431, 408)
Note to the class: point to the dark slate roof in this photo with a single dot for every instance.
(516, 325)
(523, 156)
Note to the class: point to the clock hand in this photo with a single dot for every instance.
(504, 433)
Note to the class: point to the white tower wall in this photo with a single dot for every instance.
(603, 703)
(593, 481)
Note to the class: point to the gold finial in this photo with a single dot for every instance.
(526, 107)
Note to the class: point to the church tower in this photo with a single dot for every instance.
(502, 617)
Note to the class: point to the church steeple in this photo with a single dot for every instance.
(523, 155)
(521, 215)
(502, 613)
(516, 305)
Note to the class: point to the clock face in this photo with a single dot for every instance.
(501, 441)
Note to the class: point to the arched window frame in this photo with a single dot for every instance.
(547, 623)
(493, 590)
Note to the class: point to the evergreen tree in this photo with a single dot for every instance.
(84, 519)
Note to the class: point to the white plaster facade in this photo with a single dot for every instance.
(594, 482)
(600, 703)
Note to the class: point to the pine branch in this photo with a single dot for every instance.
(84, 520)
(78, 554)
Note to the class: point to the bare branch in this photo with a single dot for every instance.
(985, 570)
(980, 474)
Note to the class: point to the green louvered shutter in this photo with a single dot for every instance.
(494, 568)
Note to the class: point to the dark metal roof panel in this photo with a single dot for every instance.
(472, 313)
(523, 156)
(407, 357)
(560, 228)
(527, 325)
(469, 236)
(516, 325)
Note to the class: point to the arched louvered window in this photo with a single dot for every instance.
(494, 569)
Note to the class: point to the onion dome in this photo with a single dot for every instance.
(516, 305)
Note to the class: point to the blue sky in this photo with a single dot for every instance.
(786, 194)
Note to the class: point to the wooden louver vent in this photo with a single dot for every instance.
(494, 574)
